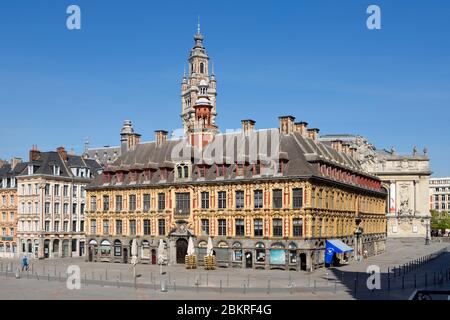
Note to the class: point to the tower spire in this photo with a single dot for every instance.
(198, 25)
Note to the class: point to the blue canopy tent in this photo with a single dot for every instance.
(335, 246)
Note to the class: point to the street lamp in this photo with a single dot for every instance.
(427, 237)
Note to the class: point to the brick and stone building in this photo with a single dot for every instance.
(8, 207)
(268, 198)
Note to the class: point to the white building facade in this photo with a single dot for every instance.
(440, 194)
(51, 205)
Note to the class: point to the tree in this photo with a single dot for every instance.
(440, 220)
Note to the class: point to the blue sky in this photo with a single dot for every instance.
(315, 60)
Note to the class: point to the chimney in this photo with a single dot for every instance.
(313, 133)
(337, 145)
(161, 137)
(35, 154)
(301, 127)
(62, 152)
(248, 126)
(346, 148)
(15, 162)
(286, 124)
(353, 152)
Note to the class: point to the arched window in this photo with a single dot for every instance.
(202, 68)
(260, 252)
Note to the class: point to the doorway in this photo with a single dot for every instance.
(302, 258)
(91, 253)
(46, 249)
(182, 246)
(153, 256)
(125, 255)
(248, 260)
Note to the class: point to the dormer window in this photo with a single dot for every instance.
(182, 171)
(147, 175)
(30, 169)
(56, 170)
(220, 170)
(201, 171)
(239, 170)
(257, 169)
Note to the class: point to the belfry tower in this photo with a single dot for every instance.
(198, 83)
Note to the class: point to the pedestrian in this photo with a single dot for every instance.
(25, 263)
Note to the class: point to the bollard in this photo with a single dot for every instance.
(101, 281)
(389, 284)
(174, 286)
(207, 279)
(314, 290)
(220, 286)
(228, 280)
(248, 280)
(244, 288)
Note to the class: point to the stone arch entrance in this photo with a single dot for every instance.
(181, 246)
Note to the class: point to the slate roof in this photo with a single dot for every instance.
(300, 154)
(44, 164)
(6, 170)
(104, 156)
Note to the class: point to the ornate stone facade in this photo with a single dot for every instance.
(405, 178)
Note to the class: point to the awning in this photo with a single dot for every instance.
(335, 246)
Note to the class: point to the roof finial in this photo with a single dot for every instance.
(212, 68)
(198, 25)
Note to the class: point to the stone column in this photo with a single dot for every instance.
(69, 254)
(60, 248)
(416, 182)
(41, 248)
(50, 249)
(392, 199)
